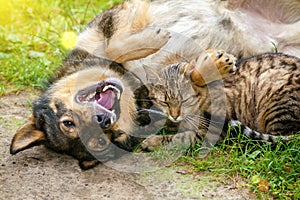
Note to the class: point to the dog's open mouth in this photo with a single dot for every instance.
(105, 97)
(107, 94)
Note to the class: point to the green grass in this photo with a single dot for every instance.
(30, 37)
(270, 170)
(31, 49)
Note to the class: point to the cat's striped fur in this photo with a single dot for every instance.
(264, 95)
(262, 99)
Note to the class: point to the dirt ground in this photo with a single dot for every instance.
(39, 173)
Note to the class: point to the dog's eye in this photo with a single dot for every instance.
(69, 124)
(101, 141)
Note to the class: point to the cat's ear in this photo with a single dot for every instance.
(152, 75)
(26, 137)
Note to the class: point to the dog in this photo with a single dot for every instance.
(107, 61)
(240, 27)
(88, 114)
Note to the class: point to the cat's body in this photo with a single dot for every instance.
(264, 94)
(263, 97)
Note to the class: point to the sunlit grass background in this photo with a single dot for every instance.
(35, 36)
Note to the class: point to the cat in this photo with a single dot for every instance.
(262, 97)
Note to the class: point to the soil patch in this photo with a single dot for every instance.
(39, 173)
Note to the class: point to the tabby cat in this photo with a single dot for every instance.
(262, 97)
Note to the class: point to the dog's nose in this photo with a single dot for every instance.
(103, 120)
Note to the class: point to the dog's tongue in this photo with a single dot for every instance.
(107, 99)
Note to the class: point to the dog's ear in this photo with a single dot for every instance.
(26, 137)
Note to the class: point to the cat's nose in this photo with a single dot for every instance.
(175, 118)
(174, 114)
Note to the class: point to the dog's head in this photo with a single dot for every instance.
(80, 115)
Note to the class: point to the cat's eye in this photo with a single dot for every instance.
(160, 101)
(167, 98)
(188, 101)
(164, 103)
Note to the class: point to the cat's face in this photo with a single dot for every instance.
(173, 93)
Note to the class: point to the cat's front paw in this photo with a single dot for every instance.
(223, 61)
(153, 142)
(186, 139)
(182, 140)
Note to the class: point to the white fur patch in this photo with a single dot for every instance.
(92, 41)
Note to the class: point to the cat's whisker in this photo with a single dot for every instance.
(202, 122)
(152, 111)
(196, 123)
(191, 122)
(197, 118)
(201, 118)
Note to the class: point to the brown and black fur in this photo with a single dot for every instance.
(262, 97)
(62, 124)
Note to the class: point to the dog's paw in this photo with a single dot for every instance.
(136, 45)
(223, 61)
(211, 65)
(158, 36)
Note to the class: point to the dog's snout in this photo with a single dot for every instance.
(103, 120)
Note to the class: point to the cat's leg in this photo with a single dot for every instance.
(211, 65)
(183, 139)
(134, 45)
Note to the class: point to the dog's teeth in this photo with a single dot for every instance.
(118, 94)
(91, 96)
(105, 88)
(108, 87)
(114, 88)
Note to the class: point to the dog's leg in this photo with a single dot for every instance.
(135, 45)
(211, 65)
